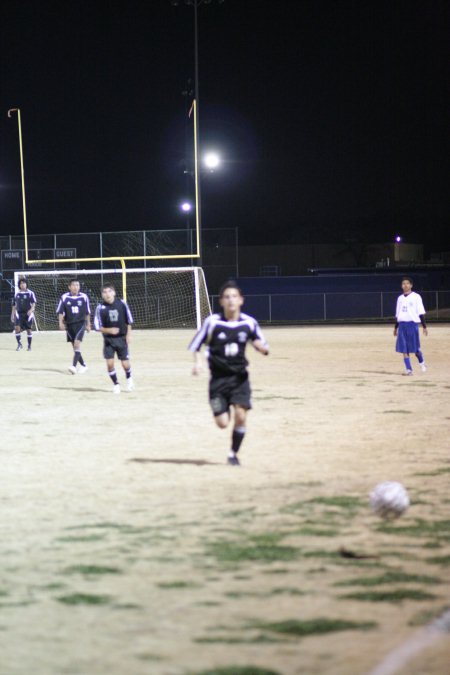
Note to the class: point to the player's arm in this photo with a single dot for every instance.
(258, 340)
(13, 312)
(424, 325)
(395, 328)
(261, 346)
(198, 363)
(61, 321)
(31, 310)
(88, 315)
(198, 340)
(128, 335)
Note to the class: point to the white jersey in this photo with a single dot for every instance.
(409, 308)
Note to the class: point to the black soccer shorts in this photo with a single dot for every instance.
(23, 321)
(115, 345)
(75, 331)
(229, 390)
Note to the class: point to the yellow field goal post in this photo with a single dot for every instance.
(160, 297)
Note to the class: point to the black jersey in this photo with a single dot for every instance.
(226, 342)
(74, 308)
(23, 300)
(115, 315)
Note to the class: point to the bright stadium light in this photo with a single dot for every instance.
(186, 207)
(211, 160)
(398, 239)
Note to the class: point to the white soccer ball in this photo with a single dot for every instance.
(389, 500)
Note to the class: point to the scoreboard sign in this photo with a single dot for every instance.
(65, 253)
(12, 259)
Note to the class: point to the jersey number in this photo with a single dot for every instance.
(113, 315)
(231, 349)
(74, 309)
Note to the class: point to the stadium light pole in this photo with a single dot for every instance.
(198, 210)
(19, 124)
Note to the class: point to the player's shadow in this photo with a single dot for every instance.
(43, 370)
(379, 372)
(78, 389)
(194, 462)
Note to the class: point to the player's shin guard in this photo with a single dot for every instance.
(113, 376)
(237, 438)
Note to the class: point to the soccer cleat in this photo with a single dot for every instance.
(408, 372)
(116, 389)
(82, 369)
(72, 370)
(130, 384)
(423, 367)
(19, 347)
(233, 461)
(28, 349)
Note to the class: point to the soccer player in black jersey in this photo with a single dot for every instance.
(113, 319)
(74, 316)
(22, 313)
(225, 336)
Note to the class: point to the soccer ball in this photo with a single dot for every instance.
(389, 500)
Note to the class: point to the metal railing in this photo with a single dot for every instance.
(322, 307)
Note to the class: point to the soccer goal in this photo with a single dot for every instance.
(173, 297)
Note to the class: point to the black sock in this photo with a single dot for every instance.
(19, 339)
(80, 359)
(113, 376)
(128, 373)
(237, 438)
(76, 358)
(29, 338)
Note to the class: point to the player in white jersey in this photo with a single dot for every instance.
(409, 314)
(226, 336)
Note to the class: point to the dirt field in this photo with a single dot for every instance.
(129, 547)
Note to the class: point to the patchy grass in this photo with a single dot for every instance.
(238, 670)
(312, 627)
(232, 640)
(91, 570)
(341, 501)
(398, 595)
(84, 599)
(262, 548)
(390, 578)
(436, 472)
(443, 560)
(420, 528)
(426, 617)
(177, 584)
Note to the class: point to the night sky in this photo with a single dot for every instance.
(331, 117)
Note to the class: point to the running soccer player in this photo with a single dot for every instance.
(113, 319)
(410, 313)
(74, 316)
(22, 313)
(226, 336)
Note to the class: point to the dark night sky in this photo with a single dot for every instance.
(331, 117)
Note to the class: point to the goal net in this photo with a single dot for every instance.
(158, 297)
